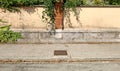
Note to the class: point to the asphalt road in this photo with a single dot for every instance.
(94, 66)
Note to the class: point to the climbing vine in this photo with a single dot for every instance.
(49, 5)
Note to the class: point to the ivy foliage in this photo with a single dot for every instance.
(12, 5)
(49, 5)
(114, 2)
(100, 2)
(48, 13)
(7, 35)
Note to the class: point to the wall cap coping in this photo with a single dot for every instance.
(69, 30)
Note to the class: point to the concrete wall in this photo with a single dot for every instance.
(90, 17)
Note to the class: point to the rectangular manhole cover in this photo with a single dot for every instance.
(60, 52)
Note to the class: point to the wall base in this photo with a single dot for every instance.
(70, 36)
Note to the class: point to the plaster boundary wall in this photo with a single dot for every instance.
(96, 25)
(93, 17)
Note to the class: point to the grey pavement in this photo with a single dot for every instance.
(46, 51)
(61, 67)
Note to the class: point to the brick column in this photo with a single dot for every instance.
(58, 15)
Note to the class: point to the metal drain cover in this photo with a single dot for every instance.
(60, 52)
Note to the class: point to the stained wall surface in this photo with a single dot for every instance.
(89, 17)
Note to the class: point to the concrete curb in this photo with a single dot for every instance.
(60, 60)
